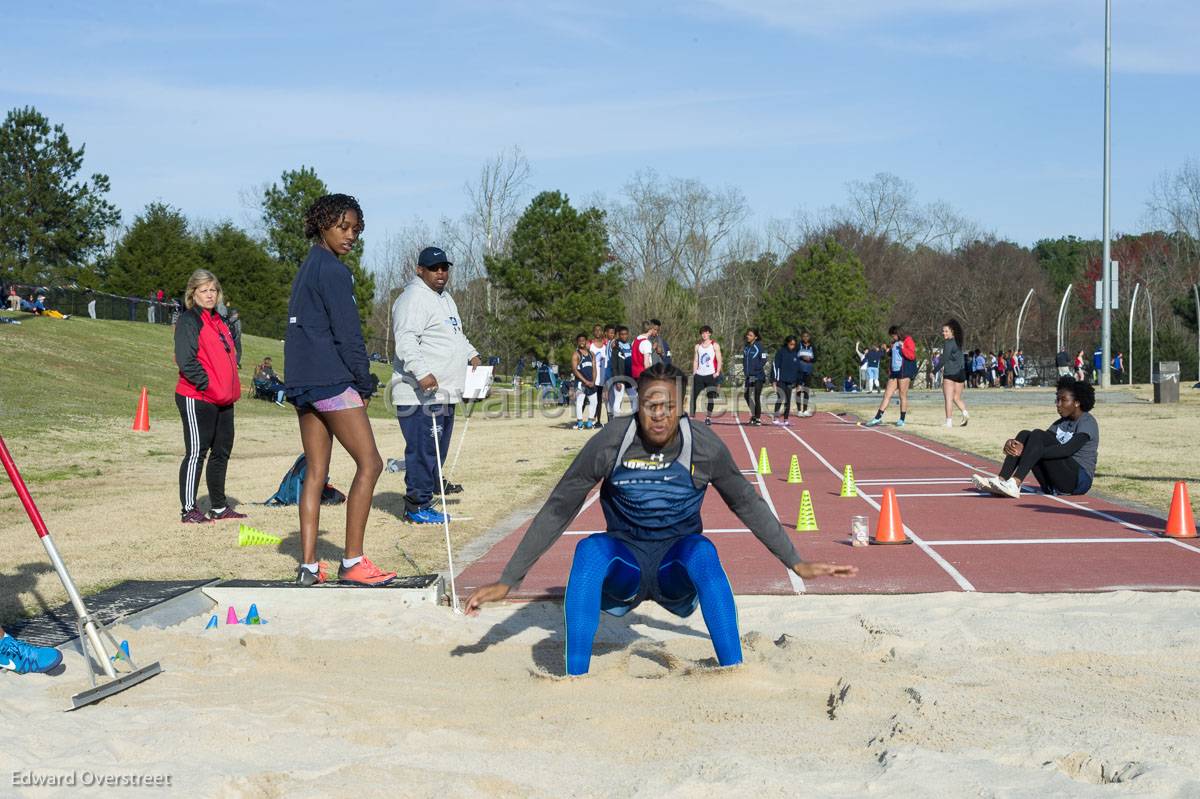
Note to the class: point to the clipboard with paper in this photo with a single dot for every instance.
(478, 383)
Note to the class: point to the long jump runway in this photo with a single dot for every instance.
(962, 540)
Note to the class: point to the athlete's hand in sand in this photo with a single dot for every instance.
(484, 594)
(811, 570)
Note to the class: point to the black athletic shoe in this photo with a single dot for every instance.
(195, 516)
(451, 488)
(708, 421)
(756, 422)
(306, 579)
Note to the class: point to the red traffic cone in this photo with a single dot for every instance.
(1180, 523)
(141, 419)
(890, 529)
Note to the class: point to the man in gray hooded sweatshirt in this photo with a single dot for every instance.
(429, 369)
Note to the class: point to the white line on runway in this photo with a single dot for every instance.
(797, 583)
(1060, 500)
(955, 575)
(1051, 541)
(956, 494)
(706, 531)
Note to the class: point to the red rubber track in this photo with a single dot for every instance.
(963, 541)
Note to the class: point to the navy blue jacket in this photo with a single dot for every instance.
(754, 359)
(787, 366)
(324, 344)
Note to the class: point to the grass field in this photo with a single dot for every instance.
(68, 391)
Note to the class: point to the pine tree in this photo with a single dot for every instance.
(250, 278)
(50, 222)
(283, 208)
(826, 293)
(158, 251)
(555, 280)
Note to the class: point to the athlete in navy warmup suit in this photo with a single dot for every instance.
(654, 469)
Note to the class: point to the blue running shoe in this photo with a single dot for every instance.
(26, 658)
(899, 423)
(874, 423)
(426, 515)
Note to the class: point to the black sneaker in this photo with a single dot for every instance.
(305, 578)
(708, 421)
(195, 516)
(227, 513)
(451, 488)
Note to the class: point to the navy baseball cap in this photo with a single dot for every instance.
(432, 256)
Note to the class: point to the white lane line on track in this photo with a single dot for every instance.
(914, 481)
(706, 530)
(1069, 503)
(955, 575)
(797, 583)
(1052, 541)
(956, 494)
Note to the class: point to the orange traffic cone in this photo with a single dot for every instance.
(890, 529)
(1180, 523)
(141, 419)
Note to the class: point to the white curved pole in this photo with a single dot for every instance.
(1062, 309)
(1129, 351)
(1150, 306)
(1021, 316)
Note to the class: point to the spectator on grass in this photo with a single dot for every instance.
(1061, 458)
(1079, 366)
(850, 387)
(265, 379)
(234, 320)
(432, 356)
(14, 299)
(1062, 360)
(206, 392)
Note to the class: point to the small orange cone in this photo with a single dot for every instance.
(141, 419)
(890, 529)
(1180, 523)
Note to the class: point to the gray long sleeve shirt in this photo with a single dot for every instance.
(429, 341)
(712, 464)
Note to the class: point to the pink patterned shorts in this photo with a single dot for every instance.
(344, 401)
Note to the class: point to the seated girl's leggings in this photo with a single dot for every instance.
(605, 576)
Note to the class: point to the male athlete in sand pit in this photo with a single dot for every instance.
(655, 467)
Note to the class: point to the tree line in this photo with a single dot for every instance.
(532, 269)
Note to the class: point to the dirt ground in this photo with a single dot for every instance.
(111, 501)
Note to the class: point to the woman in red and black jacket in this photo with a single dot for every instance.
(206, 354)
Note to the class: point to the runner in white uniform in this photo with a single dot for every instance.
(598, 346)
(706, 369)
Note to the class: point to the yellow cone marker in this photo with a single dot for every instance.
(849, 489)
(251, 537)
(764, 465)
(806, 522)
(794, 471)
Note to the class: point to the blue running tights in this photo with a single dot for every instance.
(605, 576)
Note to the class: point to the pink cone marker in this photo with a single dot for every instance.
(231, 616)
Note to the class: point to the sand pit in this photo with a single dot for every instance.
(935, 695)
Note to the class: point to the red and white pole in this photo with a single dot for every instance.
(35, 516)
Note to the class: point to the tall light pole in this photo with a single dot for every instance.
(1106, 281)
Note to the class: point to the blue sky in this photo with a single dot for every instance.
(993, 106)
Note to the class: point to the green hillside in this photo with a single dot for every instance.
(58, 375)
